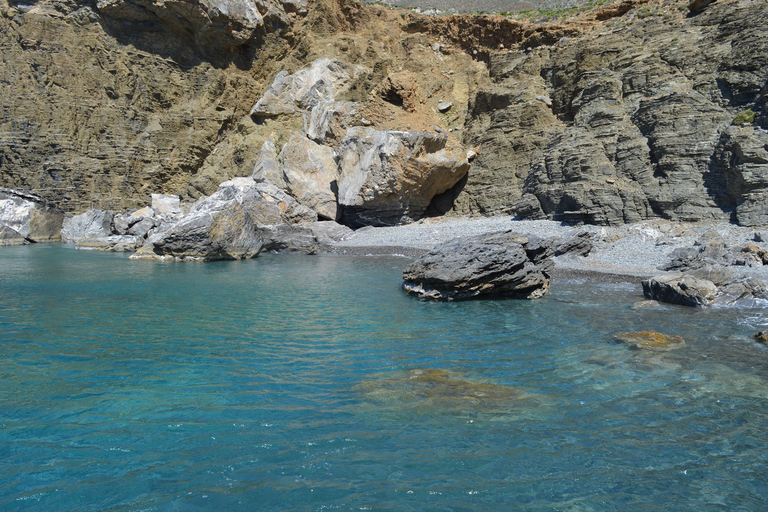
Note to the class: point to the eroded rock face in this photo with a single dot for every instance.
(307, 88)
(216, 228)
(390, 177)
(630, 131)
(93, 223)
(25, 216)
(218, 23)
(502, 264)
(239, 221)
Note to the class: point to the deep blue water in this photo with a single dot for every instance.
(314, 383)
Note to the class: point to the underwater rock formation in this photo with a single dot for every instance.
(650, 340)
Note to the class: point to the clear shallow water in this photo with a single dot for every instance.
(314, 383)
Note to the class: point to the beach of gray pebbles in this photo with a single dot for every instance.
(632, 251)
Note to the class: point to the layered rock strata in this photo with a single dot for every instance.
(502, 264)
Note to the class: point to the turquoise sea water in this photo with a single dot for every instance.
(314, 383)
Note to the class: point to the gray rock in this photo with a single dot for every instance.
(9, 236)
(390, 177)
(29, 215)
(575, 243)
(166, 204)
(492, 265)
(114, 243)
(308, 87)
(327, 232)
(329, 120)
(680, 289)
(239, 221)
(444, 106)
(221, 24)
(311, 175)
(266, 168)
(216, 229)
(93, 223)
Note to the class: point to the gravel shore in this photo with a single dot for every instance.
(625, 253)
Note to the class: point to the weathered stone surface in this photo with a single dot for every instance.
(329, 231)
(308, 87)
(390, 177)
(741, 165)
(267, 168)
(217, 23)
(29, 216)
(713, 250)
(239, 221)
(633, 131)
(680, 289)
(10, 236)
(650, 340)
(329, 120)
(576, 243)
(502, 264)
(113, 243)
(311, 175)
(92, 223)
(217, 228)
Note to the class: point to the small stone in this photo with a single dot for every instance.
(444, 106)
(545, 99)
(762, 337)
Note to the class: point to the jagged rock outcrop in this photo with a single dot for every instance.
(208, 23)
(502, 264)
(633, 131)
(93, 223)
(389, 177)
(693, 289)
(27, 217)
(239, 221)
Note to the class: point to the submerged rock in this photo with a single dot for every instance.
(502, 264)
(430, 387)
(650, 340)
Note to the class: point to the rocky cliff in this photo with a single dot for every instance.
(607, 114)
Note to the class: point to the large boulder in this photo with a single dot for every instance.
(390, 177)
(310, 174)
(502, 264)
(239, 221)
(9, 236)
(29, 216)
(217, 228)
(93, 223)
(682, 289)
(694, 289)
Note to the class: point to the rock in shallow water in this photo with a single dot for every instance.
(502, 264)
(650, 340)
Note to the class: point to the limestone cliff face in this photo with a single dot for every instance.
(605, 115)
